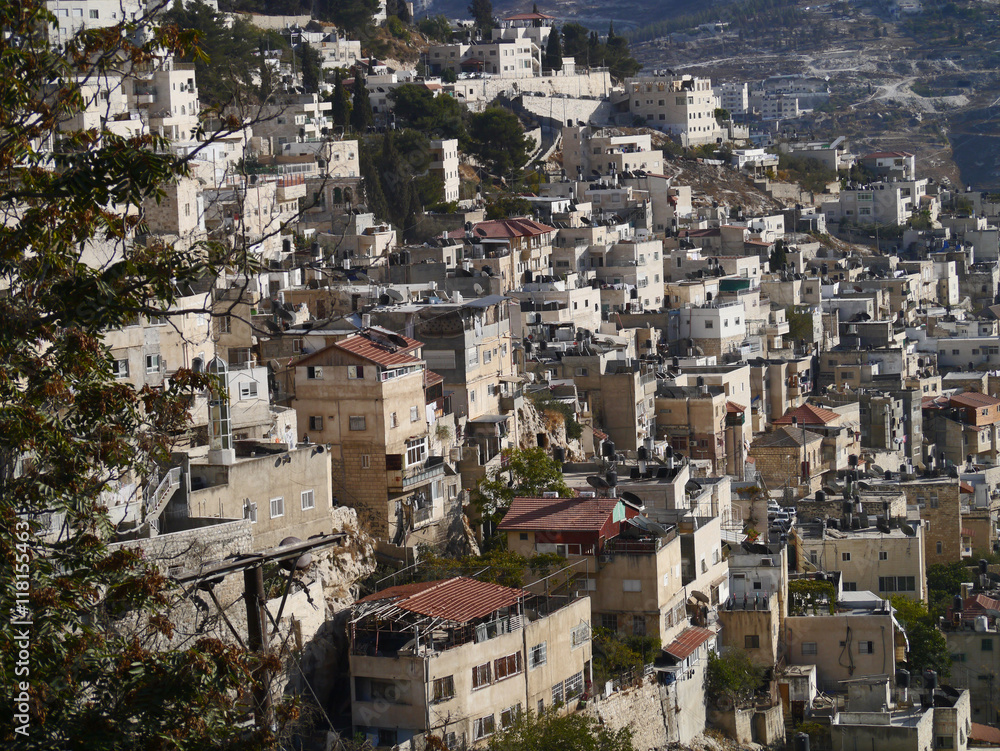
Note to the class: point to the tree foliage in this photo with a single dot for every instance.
(496, 566)
(616, 655)
(732, 677)
(555, 731)
(361, 106)
(523, 472)
(436, 116)
(96, 673)
(553, 51)
(437, 28)
(944, 581)
(928, 647)
(497, 139)
(482, 13)
(311, 66)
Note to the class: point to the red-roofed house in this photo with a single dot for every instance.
(371, 399)
(508, 248)
(462, 658)
(970, 424)
(631, 569)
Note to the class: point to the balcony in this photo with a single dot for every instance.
(400, 480)
(510, 401)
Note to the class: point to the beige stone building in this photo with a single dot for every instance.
(460, 659)
(372, 399)
(789, 458)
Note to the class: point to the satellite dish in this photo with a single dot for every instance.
(864, 485)
(394, 294)
(272, 326)
(632, 498)
(877, 469)
(597, 482)
(478, 288)
(285, 314)
(444, 296)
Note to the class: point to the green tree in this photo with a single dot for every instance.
(497, 139)
(102, 672)
(618, 57)
(340, 111)
(928, 647)
(731, 677)
(506, 205)
(353, 16)
(576, 43)
(226, 54)
(523, 472)
(436, 116)
(553, 51)
(722, 114)
(482, 13)
(944, 581)
(555, 731)
(800, 324)
(437, 28)
(778, 257)
(371, 182)
(311, 67)
(361, 106)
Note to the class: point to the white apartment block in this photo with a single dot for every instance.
(607, 151)
(73, 16)
(774, 106)
(683, 107)
(733, 97)
(168, 99)
(336, 51)
(444, 166)
(516, 58)
(336, 159)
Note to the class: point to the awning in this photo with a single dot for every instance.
(689, 641)
(511, 379)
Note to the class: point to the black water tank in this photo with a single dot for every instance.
(983, 564)
(609, 449)
(902, 679)
(612, 478)
(957, 604)
(930, 679)
(820, 496)
(801, 742)
(559, 454)
(643, 454)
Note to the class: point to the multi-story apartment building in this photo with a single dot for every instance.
(515, 249)
(683, 107)
(461, 659)
(733, 97)
(73, 16)
(444, 166)
(606, 151)
(371, 397)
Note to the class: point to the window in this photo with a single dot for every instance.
(444, 688)
(939, 547)
(314, 373)
(581, 634)
(308, 500)
(356, 422)
(481, 676)
(119, 368)
(945, 741)
(277, 507)
(897, 584)
(473, 356)
(487, 357)
(315, 422)
(224, 324)
(557, 694)
(883, 555)
(416, 451)
(94, 14)
(537, 656)
(808, 647)
(574, 686)
(751, 641)
(509, 715)
(609, 621)
(631, 585)
(414, 414)
(850, 586)
(366, 461)
(638, 625)
(507, 666)
(866, 647)
(355, 372)
(845, 557)
(813, 557)
(152, 363)
(393, 420)
(987, 645)
(248, 390)
(483, 727)
(709, 324)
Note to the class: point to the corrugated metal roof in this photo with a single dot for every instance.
(974, 399)
(576, 514)
(689, 640)
(459, 599)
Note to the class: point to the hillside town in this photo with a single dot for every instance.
(549, 386)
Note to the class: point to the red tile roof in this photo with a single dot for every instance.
(459, 599)
(984, 734)
(689, 640)
(379, 353)
(577, 514)
(973, 399)
(505, 228)
(528, 17)
(808, 414)
(432, 379)
(733, 407)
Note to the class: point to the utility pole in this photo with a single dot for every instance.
(253, 596)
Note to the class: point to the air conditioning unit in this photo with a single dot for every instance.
(550, 494)
(588, 494)
(766, 561)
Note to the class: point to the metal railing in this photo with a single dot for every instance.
(163, 490)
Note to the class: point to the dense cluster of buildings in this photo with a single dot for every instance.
(777, 431)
